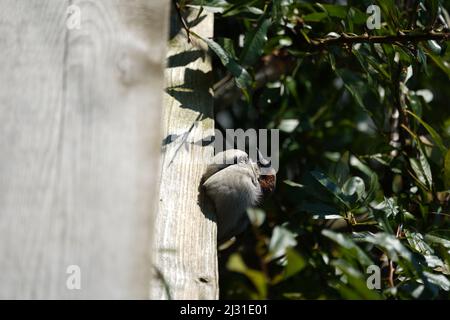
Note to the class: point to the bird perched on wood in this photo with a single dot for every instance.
(234, 183)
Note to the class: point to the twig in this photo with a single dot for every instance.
(391, 263)
(391, 273)
(366, 38)
(183, 22)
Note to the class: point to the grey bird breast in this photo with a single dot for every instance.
(233, 189)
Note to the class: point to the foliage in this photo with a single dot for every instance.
(365, 128)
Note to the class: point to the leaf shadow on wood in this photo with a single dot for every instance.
(194, 94)
(183, 140)
(184, 58)
(196, 89)
(206, 141)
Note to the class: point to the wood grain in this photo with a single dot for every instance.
(80, 136)
(186, 254)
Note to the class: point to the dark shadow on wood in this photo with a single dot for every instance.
(184, 58)
(205, 204)
(173, 137)
(196, 88)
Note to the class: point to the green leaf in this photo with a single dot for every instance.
(422, 59)
(374, 184)
(254, 41)
(356, 280)
(215, 6)
(389, 207)
(415, 102)
(441, 63)
(236, 264)
(432, 11)
(288, 125)
(391, 244)
(438, 279)
(417, 242)
(295, 263)
(342, 169)
(438, 240)
(332, 10)
(426, 167)
(228, 45)
(434, 262)
(355, 86)
(415, 165)
(434, 47)
(422, 169)
(350, 247)
(447, 170)
(315, 17)
(242, 8)
(355, 185)
(243, 78)
(330, 186)
(277, 12)
(436, 137)
(355, 16)
(390, 12)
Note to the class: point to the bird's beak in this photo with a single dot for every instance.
(262, 162)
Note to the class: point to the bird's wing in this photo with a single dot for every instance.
(222, 160)
(233, 190)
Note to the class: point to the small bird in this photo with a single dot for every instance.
(234, 183)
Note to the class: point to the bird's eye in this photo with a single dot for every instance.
(264, 164)
(243, 160)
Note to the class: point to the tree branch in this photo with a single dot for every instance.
(366, 38)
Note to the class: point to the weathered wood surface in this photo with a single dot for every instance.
(186, 251)
(80, 143)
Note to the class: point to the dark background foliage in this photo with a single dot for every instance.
(364, 173)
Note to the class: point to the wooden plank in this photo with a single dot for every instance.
(186, 262)
(79, 141)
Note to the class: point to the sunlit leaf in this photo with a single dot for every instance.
(438, 240)
(330, 186)
(438, 279)
(416, 241)
(243, 78)
(256, 216)
(293, 184)
(355, 185)
(281, 240)
(391, 244)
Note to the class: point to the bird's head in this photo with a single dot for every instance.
(267, 177)
(262, 168)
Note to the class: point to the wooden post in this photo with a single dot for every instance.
(81, 86)
(186, 249)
